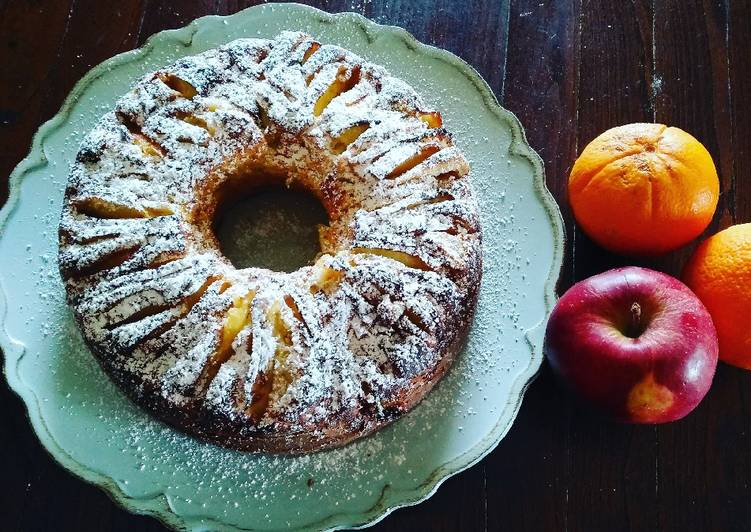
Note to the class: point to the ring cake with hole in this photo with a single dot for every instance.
(255, 359)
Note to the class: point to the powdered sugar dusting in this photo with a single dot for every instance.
(151, 463)
(341, 347)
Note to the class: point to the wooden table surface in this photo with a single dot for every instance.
(569, 69)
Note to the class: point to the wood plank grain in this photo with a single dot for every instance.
(615, 75)
(475, 30)
(54, 70)
(459, 504)
(612, 466)
(85, 45)
(27, 56)
(693, 93)
(727, 465)
(573, 69)
(739, 36)
(541, 89)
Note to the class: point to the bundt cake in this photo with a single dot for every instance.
(254, 359)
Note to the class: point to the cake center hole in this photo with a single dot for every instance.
(274, 228)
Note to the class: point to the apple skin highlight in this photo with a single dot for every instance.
(635, 343)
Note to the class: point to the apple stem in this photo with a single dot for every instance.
(635, 317)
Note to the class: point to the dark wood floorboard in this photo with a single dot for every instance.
(569, 69)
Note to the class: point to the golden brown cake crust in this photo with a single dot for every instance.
(253, 359)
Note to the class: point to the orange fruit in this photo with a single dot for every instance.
(719, 272)
(643, 189)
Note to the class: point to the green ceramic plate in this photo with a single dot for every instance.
(95, 432)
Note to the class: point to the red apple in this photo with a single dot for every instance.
(635, 343)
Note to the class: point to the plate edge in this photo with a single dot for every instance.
(519, 146)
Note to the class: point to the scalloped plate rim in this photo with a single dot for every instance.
(158, 505)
